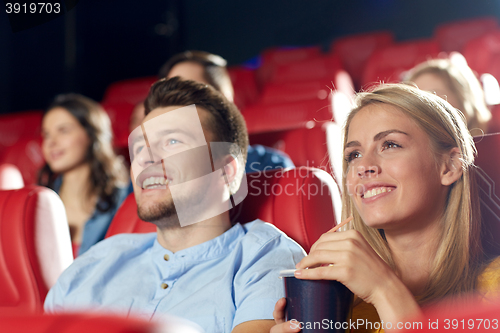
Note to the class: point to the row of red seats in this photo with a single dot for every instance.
(291, 89)
(35, 245)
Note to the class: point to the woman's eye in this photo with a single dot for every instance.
(390, 144)
(353, 155)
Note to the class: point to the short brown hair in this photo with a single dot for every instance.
(214, 69)
(226, 124)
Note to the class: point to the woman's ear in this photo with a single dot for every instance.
(451, 169)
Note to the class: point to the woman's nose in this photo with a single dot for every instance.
(368, 168)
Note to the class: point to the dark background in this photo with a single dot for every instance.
(102, 41)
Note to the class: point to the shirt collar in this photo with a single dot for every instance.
(214, 248)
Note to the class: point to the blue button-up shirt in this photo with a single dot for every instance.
(218, 284)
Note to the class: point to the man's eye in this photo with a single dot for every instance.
(138, 149)
(172, 142)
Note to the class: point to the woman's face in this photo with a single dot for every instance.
(65, 141)
(392, 177)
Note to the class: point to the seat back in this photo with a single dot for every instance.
(355, 50)
(35, 247)
(131, 91)
(119, 113)
(318, 68)
(275, 57)
(17, 126)
(388, 63)
(26, 155)
(245, 86)
(483, 54)
(457, 315)
(281, 116)
(91, 322)
(10, 177)
(300, 202)
(454, 35)
(339, 81)
(488, 178)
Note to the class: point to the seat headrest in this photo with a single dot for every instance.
(35, 246)
(10, 177)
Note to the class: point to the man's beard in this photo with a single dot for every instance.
(163, 215)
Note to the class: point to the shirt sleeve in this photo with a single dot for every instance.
(54, 300)
(257, 286)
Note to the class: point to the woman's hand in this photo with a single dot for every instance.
(348, 258)
(282, 326)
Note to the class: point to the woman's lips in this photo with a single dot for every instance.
(56, 155)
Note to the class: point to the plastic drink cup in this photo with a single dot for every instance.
(316, 305)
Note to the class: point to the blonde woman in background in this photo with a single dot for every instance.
(453, 80)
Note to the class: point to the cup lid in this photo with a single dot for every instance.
(287, 273)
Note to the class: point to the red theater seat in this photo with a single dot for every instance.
(323, 67)
(119, 113)
(280, 116)
(387, 64)
(10, 177)
(483, 54)
(272, 58)
(488, 178)
(318, 147)
(355, 50)
(18, 126)
(307, 90)
(26, 155)
(245, 86)
(458, 316)
(298, 201)
(88, 322)
(35, 247)
(131, 91)
(454, 35)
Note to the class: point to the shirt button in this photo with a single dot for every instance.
(164, 286)
(166, 257)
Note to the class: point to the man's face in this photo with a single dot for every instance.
(171, 167)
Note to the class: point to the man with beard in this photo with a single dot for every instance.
(188, 159)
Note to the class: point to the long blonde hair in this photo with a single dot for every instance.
(456, 265)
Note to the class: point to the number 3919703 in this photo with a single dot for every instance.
(32, 8)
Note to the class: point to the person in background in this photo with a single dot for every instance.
(82, 167)
(211, 69)
(453, 80)
(408, 184)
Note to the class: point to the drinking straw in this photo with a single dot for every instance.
(341, 224)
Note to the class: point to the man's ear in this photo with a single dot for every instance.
(231, 166)
(451, 168)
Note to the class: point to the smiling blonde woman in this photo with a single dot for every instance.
(408, 158)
